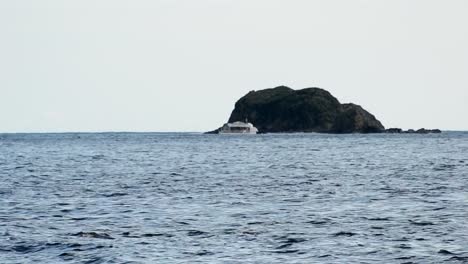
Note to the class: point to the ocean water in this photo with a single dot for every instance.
(274, 198)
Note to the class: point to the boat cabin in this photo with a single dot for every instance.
(238, 128)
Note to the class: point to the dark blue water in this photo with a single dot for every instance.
(191, 198)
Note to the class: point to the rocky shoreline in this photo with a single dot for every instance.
(412, 131)
(285, 110)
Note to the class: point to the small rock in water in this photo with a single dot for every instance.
(412, 131)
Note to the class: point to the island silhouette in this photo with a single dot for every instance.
(285, 110)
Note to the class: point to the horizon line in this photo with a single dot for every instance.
(175, 132)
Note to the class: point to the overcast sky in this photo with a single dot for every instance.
(180, 65)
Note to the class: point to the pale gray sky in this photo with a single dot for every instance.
(180, 65)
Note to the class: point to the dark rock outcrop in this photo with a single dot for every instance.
(427, 131)
(412, 131)
(394, 130)
(216, 131)
(283, 109)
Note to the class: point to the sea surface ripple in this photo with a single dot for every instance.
(273, 198)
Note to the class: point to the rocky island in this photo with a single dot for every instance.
(283, 109)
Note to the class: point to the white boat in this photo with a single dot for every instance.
(238, 128)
